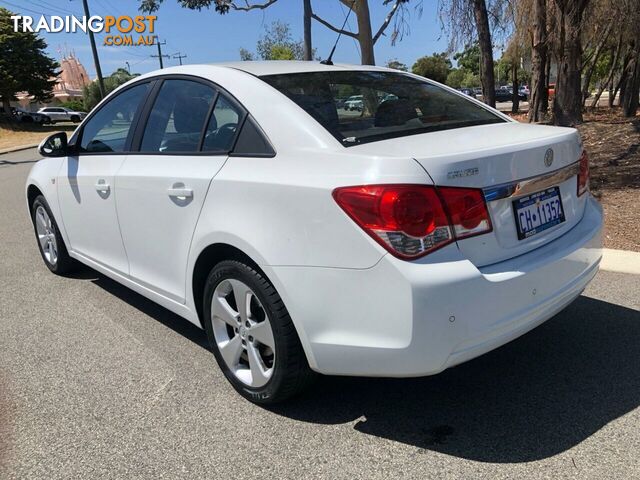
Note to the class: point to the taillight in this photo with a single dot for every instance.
(583, 173)
(413, 220)
(467, 210)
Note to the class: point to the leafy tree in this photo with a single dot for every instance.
(467, 21)
(365, 36)
(397, 65)
(77, 105)
(469, 59)
(276, 43)
(24, 66)
(436, 67)
(455, 77)
(91, 92)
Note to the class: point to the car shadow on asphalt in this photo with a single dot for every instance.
(146, 306)
(535, 397)
(531, 399)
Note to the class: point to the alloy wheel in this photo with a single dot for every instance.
(46, 235)
(243, 332)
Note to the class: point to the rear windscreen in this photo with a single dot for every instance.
(366, 106)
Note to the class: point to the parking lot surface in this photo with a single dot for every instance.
(98, 382)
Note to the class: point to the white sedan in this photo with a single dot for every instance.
(423, 233)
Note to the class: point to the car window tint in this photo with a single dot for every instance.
(366, 106)
(108, 129)
(178, 117)
(222, 127)
(252, 141)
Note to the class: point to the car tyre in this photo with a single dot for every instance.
(50, 243)
(75, 118)
(283, 370)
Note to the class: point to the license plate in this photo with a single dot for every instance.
(537, 212)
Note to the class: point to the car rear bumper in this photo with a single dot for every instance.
(418, 318)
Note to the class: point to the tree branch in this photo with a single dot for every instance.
(331, 27)
(249, 6)
(387, 21)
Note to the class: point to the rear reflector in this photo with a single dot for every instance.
(412, 220)
(583, 173)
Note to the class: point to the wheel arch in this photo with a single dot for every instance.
(32, 192)
(209, 257)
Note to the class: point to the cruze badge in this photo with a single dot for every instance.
(463, 173)
(548, 157)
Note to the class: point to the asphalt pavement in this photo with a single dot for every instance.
(98, 382)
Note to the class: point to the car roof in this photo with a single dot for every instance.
(273, 67)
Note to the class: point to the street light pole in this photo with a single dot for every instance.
(94, 50)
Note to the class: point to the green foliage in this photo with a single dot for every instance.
(24, 66)
(77, 105)
(469, 59)
(436, 67)
(456, 77)
(91, 92)
(397, 65)
(470, 80)
(246, 55)
(276, 43)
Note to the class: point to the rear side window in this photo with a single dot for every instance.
(108, 130)
(252, 142)
(223, 126)
(178, 117)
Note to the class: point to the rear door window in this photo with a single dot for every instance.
(223, 126)
(178, 117)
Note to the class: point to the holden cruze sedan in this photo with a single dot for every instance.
(423, 232)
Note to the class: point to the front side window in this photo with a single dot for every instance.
(107, 131)
(178, 117)
(365, 106)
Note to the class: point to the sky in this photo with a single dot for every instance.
(207, 37)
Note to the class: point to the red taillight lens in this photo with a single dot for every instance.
(583, 173)
(411, 220)
(467, 210)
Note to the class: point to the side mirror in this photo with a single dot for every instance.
(54, 146)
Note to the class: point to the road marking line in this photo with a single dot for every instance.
(621, 261)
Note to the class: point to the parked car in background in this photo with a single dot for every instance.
(506, 95)
(418, 235)
(524, 90)
(468, 91)
(23, 116)
(354, 102)
(61, 114)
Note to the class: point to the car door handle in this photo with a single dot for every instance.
(102, 186)
(180, 192)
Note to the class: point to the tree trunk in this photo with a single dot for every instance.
(486, 52)
(615, 54)
(6, 106)
(308, 49)
(539, 92)
(629, 96)
(593, 63)
(567, 104)
(365, 36)
(515, 99)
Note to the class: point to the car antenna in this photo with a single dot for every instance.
(328, 61)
